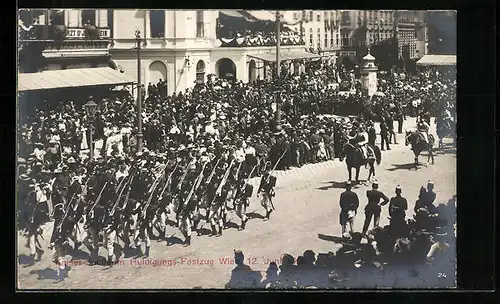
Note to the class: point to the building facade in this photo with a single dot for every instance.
(52, 39)
(181, 47)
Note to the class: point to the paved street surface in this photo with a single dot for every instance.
(307, 214)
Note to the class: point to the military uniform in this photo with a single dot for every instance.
(373, 208)
(266, 188)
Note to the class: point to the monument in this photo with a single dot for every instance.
(369, 74)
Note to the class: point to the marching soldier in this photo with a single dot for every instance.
(349, 203)
(373, 208)
(242, 201)
(266, 189)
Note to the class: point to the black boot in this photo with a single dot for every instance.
(39, 253)
(33, 260)
(187, 242)
(110, 260)
(139, 251)
(214, 231)
(77, 245)
(220, 231)
(147, 252)
(224, 221)
(243, 224)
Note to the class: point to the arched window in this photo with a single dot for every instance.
(200, 72)
(89, 17)
(157, 23)
(200, 31)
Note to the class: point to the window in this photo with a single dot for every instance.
(200, 31)
(304, 15)
(157, 23)
(332, 16)
(88, 17)
(345, 39)
(336, 39)
(331, 41)
(296, 16)
(200, 72)
(311, 16)
(326, 15)
(310, 37)
(318, 17)
(326, 40)
(319, 38)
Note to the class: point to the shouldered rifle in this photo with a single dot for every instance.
(213, 171)
(152, 190)
(167, 182)
(125, 185)
(246, 180)
(91, 212)
(275, 165)
(59, 226)
(196, 183)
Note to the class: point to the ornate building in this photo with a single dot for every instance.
(182, 47)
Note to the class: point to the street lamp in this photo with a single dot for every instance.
(90, 109)
(278, 68)
(139, 92)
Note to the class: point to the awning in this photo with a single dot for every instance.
(430, 60)
(263, 15)
(271, 57)
(71, 78)
(234, 14)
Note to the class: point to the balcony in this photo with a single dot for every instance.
(58, 38)
(260, 41)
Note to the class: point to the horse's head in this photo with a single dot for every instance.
(408, 135)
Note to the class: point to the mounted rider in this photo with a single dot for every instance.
(358, 139)
(423, 129)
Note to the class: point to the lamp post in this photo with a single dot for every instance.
(278, 68)
(139, 92)
(90, 109)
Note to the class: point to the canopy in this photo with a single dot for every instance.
(271, 57)
(430, 60)
(263, 15)
(71, 78)
(238, 14)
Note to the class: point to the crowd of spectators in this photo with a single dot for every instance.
(219, 112)
(411, 250)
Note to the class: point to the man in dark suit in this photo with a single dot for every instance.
(372, 134)
(383, 135)
(349, 203)
(373, 208)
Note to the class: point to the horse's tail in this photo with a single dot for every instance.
(378, 154)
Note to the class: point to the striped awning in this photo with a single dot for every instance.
(430, 60)
(271, 56)
(71, 78)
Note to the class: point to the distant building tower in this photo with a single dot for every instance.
(369, 74)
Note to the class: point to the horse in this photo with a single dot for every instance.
(354, 159)
(445, 128)
(418, 145)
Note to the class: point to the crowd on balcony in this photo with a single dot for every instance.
(264, 36)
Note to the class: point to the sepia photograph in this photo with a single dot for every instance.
(236, 149)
